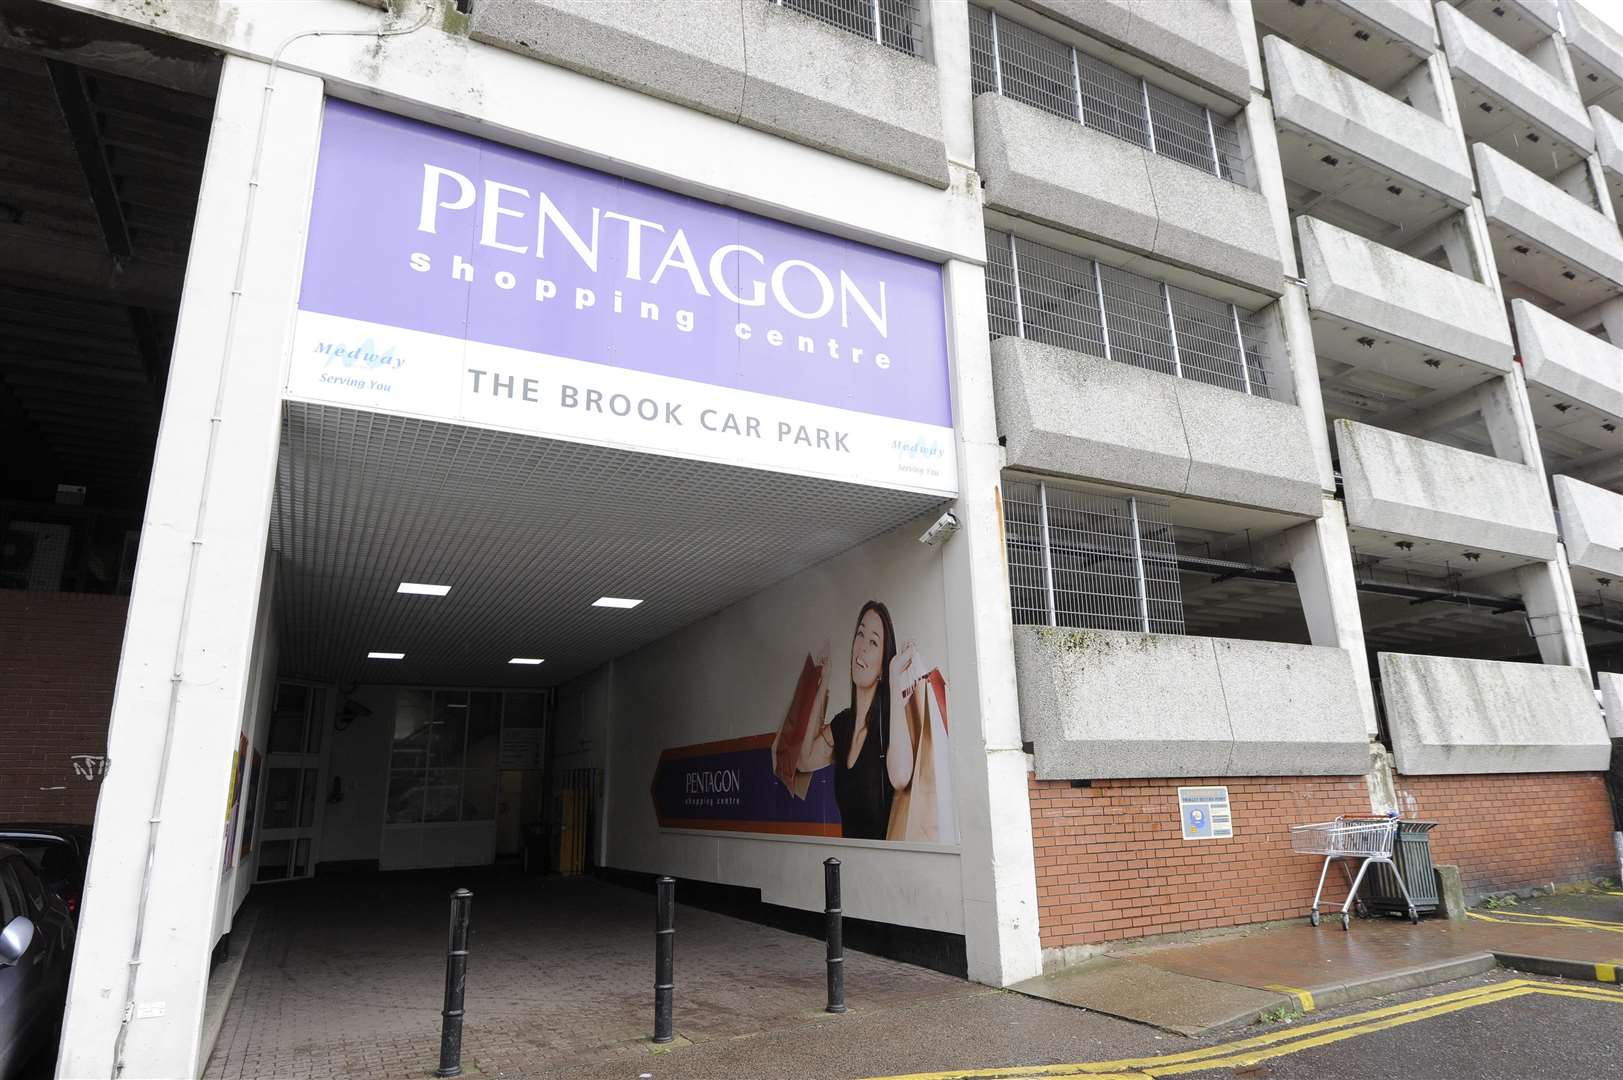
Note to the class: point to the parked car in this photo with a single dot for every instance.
(60, 854)
(36, 949)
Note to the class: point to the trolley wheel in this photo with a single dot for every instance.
(1313, 917)
(1414, 917)
(1346, 921)
(1363, 912)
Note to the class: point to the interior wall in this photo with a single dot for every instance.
(732, 676)
(352, 829)
(579, 740)
(255, 726)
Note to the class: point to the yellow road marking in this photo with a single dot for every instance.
(1606, 973)
(1566, 921)
(1250, 1051)
(1303, 998)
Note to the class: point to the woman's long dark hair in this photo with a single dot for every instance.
(881, 694)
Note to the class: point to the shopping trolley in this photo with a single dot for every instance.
(1368, 840)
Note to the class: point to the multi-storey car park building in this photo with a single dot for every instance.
(1267, 355)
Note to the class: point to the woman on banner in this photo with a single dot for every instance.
(868, 743)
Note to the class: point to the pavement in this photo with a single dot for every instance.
(344, 979)
(1232, 979)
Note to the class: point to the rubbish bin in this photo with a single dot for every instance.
(1411, 854)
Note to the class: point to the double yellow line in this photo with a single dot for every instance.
(1512, 918)
(1247, 1052)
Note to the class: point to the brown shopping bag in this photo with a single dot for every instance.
(792, 732)
(923, 811)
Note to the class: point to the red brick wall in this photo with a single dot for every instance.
(1112, 862)
(58, 661)
(1516, 830)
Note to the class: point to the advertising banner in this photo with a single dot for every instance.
(454, 278)
(878, 769)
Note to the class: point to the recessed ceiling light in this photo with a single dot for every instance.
(385, 656)
(525, 660)
(418, 589)
(615, 601)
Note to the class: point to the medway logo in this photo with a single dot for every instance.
(365, 355)
(916, 449)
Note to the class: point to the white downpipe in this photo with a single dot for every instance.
(155, 820)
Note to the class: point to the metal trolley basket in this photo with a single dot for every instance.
(1368, 840)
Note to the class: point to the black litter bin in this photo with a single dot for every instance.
(1411, 854)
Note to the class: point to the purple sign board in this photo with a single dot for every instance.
(455, 278)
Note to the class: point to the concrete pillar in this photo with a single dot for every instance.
(999, 866)
(1321, 558)
(1294, 320)
(186, 657)
(950, 52)
(1552, 611)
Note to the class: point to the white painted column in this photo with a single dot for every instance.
(186, 657)
(998, 864)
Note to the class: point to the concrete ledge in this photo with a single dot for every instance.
(1526, 203)
(1072, 414)
(1415, 487)
(1329, 104)
(1452, 716)
(1197, 39)
(1100, 704)
(1611, 700)
(1582, 970)
(1049, 169)
(1410, 21)
(1609, 148)
(1560, 357)
(692, 54)
(798, 78)
(1594, 41)
(1591, 525)
(834, 91)
(1396, 295)
(1502, 72)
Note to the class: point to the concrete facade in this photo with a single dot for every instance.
(1148, 430)
(879, 107)
(1043, 167)
(1449, 715)
(1535, 95)
(1397, 410)
(1317, 98)
(1591, 525)
(1564, 359)
(1413, 304)
(1415, 487)
(1098, 704)
(1532, 207)
(1201, 40)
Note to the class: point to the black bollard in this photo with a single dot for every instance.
(456, 984)
(664, 942)
(836, 936)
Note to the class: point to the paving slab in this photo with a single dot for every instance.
(1154, 995)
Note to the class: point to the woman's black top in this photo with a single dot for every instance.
(863, 790)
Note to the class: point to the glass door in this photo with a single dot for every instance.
(291, 817)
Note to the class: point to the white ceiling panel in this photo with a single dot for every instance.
(527, 532)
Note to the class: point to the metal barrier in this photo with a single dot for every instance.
(456, 985)
(664, 942)
(836, 936)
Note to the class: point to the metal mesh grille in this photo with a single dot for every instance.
(894, 24)
(1015, 61)
(1081, 559)
(1044, 294)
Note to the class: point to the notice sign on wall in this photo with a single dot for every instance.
(1205, 813)
(454, 278)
